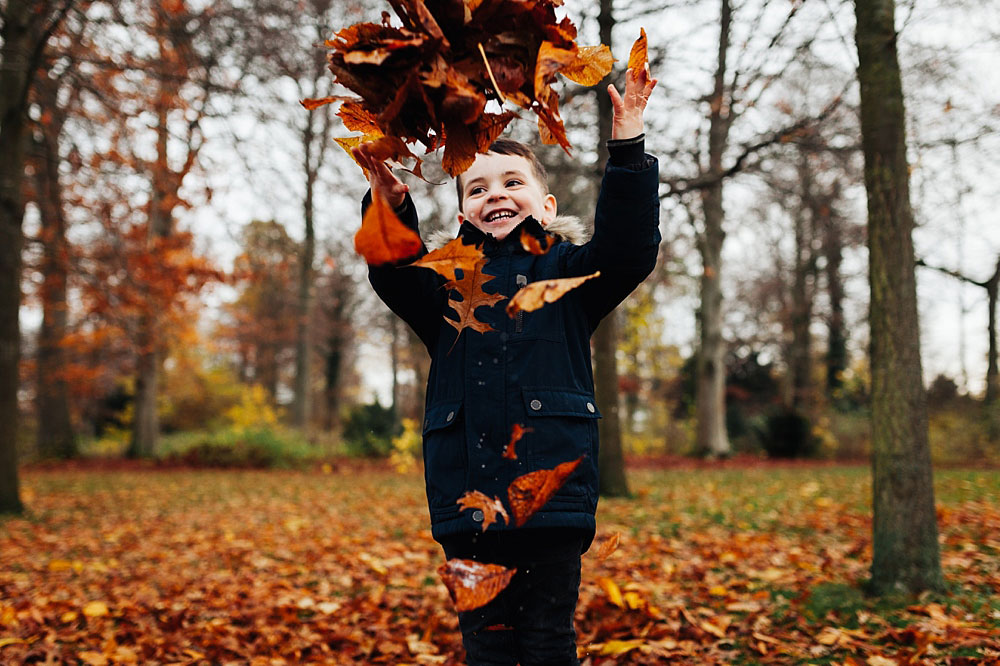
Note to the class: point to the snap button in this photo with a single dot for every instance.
(450, 416)
(536, 405)
(591, 408)
(477, 516)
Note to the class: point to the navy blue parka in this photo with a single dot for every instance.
(533, 369)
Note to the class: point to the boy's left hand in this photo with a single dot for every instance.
(627, 122)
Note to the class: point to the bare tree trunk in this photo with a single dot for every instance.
(836, 345)
(992, 376)
(610, 457)
(800, 352)
(905, 548)
(300, 406)
(710, 392)
(55, 436)
(26, 28)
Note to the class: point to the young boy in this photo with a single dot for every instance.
(533, 370)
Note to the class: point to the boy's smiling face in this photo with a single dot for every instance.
(499, 191)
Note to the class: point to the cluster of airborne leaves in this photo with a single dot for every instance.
(428, 74)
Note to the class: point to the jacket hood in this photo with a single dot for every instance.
(564, 227)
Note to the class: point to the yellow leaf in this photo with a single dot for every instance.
(718, 591)
(10, 640)
(616, 648)
(633, 600)
(96, 609)
(613, 591)
(69, 616)
(710, 628)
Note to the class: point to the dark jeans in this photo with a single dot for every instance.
(531, 621)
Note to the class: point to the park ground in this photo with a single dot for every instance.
(735, 563)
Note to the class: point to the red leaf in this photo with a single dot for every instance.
(529, 493)
(516, 433)
(473, 584)
(382, 238)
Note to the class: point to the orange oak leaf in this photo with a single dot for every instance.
(470, 288)
(592, 64)
(537, 294)
(358, 119)
(535, 242)
(516, 433)
(491, 508)
(455, 254)
(638, 56)
(382, 238)
(472, 584)
(529, 493)
(609, 546)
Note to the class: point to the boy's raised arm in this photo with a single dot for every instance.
(627, 120)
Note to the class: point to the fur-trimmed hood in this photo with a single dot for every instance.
(564, 227)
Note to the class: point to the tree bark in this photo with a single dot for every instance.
(610, 457)
(710, 391)
(836, 345)
(905, 548)
(55, 435)
(27, 26)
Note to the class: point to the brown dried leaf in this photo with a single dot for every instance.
(516, 433)
(358, 119)
(382, 238)
(537, 294)
(491, 508)
(455, 254)
(312, 104)
(609, 546)
(638, 56)
(535, 242)
(592, 64)
(473, 584)
(470, 287)
(529, 493)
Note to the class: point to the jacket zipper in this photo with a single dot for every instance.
(521, 281)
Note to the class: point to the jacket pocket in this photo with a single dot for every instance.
(445, 457)
(564, 428)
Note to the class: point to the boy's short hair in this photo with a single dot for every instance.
(512, 147)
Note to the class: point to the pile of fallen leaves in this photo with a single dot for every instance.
(428, 73)
(710, 567)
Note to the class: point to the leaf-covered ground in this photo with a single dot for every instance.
(749, 564)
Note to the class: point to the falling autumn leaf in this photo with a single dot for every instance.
(609, 546)
(425, 76)
(473, 584)
(530, 492)
(537, 294)
(453, 255)
(470, 288)
(382, 238)
(638, 57)
(591, 65)
(315, 103)
(516, 433)
(491, 508)
(535, 241)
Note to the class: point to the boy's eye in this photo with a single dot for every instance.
(513, 182)
(477, 189)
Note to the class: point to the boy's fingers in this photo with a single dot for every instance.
(616, 99)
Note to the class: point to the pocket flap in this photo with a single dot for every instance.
(441, 415)
(559, 402)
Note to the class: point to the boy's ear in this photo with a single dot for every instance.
(461, 219)
(549, 209)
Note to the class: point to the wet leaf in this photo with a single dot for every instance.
(529, 493)
(473, 584)
(491, 508)
(383, 239)
(537, 294)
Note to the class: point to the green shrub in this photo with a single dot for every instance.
(369, 429)
(258, 447)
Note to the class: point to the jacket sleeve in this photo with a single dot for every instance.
(413, 293)
(626, 231)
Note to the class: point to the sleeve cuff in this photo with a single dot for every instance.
(628, 152)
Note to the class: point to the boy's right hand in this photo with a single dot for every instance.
(380, 177)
